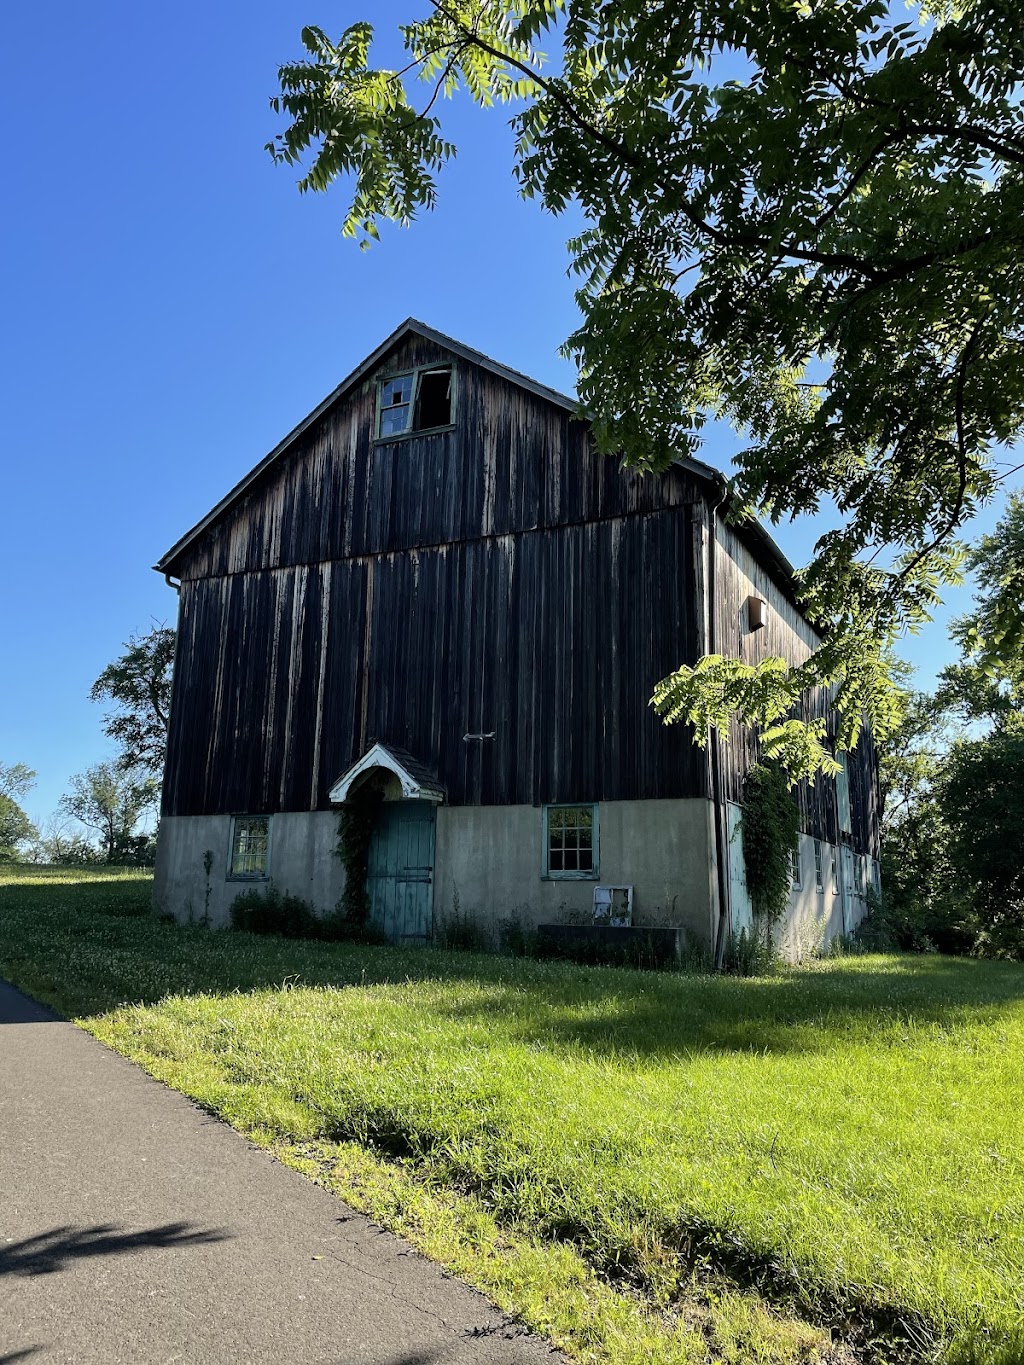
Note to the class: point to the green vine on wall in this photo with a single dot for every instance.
(770, 831)
(359, 816)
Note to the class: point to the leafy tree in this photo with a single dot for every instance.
(981, 799)
(58, 842)
(16, 781)
(922, 906)
(139, 684)
(988, 684)
(954, 816)
(804, 219)
(15, 827)
(107, 799)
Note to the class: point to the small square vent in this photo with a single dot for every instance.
(613, 905)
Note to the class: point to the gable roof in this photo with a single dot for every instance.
(761, 543)
(410, 327)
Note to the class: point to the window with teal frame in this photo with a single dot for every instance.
(571, 842)
(423, 400)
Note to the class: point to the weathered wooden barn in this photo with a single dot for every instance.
(436, 579)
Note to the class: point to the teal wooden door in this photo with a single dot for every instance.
(401, 871)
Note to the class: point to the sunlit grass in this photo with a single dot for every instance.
(657, 1168)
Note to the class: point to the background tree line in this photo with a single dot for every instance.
(953, 781)
(98, 818)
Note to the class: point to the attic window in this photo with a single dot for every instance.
(418, 401)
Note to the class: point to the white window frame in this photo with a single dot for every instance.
(416, 375)
(819, 867)
(232, 874)
(835, 855)
(593, 874)
(796, 872)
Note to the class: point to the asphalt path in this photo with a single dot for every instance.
(136, 1228)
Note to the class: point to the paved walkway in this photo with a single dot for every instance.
(135, 1228)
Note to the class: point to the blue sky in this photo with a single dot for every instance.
(172, 307)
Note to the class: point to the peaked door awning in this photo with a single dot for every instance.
(417, 781)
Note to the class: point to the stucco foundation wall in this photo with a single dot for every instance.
(302, 863)
(814, 917)
(489, 859)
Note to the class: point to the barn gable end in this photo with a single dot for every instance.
(493, 601)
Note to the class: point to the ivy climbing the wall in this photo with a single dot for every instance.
(359, 816)
(770, 830)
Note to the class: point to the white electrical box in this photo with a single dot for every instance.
(613, 905)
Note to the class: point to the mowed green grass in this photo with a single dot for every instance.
(826, 1165)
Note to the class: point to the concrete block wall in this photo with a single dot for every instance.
(489, 860)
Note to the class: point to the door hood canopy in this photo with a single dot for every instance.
(416, 780)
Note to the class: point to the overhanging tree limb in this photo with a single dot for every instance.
(853, 204)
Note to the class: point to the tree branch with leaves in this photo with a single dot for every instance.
(803, 220)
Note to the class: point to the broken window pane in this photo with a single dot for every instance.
(395, 402)
(421, 401)
(434, 400)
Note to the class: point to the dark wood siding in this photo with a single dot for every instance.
(498, 577)
(512, 462)
(552, 640)
(788, 635)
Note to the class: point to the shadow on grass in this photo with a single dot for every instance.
(52, 1251)
(87, 947)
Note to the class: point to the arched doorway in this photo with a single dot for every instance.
(400, 866)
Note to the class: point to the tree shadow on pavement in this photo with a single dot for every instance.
(55, 1250)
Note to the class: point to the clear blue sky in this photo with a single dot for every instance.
(172, 307)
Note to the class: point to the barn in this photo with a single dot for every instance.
(435, 582)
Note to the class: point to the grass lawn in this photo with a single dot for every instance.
(824, 1166)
